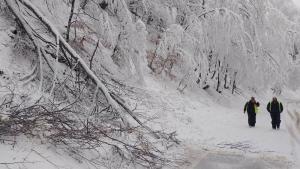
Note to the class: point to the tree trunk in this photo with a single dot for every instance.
(70, 20)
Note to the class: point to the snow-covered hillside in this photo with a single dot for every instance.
(147, 83)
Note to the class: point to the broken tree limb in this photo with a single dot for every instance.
(125, 107)
(71, 51)
(111, 99)
(66, 57)
(12, 5)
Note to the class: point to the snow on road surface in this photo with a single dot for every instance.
(214, 124)
(229, 161)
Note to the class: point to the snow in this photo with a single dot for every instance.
(4, 45)
(297, 2)
(211, 126)
(28, 153)
(218, 125)
(229, 161)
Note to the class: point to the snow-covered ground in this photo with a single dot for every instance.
(214, 134)
(214, 129)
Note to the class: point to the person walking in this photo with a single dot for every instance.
(251, 107)
(275, 108)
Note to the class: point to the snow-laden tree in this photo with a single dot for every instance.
(217, 43)
(229, 39)
(129, 50)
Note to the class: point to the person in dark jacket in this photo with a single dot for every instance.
(275, 108)
(251, 108)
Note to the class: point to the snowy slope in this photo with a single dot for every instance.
(210, 124)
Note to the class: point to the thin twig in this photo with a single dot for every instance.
(91, 61)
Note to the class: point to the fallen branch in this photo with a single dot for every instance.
(92, 58)
(125, 107)
(50, 162)
(56, 123)
(72, 52)
(18, 162)
(108, 95)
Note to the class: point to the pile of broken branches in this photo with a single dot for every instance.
(111, 123)
(61, 125)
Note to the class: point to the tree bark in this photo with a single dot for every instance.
(70, 20)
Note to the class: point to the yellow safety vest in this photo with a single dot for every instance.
(256, 109)
(279, 103)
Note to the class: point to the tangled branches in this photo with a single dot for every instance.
(62, 125)
(80, 113)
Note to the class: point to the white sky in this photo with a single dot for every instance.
(297, 2)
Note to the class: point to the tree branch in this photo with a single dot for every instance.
(70, 20)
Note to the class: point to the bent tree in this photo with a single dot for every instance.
(112, 123)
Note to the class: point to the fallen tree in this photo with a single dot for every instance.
(55, 120)
(60, 40)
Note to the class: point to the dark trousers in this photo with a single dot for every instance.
(251, 119)
(275, 120)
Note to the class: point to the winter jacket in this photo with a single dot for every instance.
(250, 107)
(275, 107)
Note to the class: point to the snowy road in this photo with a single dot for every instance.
(217, 123)
(226, 161)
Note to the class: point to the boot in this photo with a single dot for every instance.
(274, 126)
